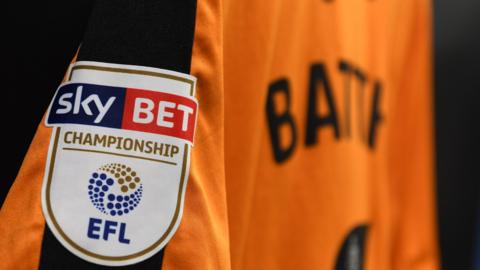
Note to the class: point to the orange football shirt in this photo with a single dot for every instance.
(314, 124)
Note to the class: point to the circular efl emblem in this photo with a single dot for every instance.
(115, 189)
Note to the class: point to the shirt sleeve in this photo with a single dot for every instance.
(181, 37)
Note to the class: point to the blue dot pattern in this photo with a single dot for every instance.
(101, 193)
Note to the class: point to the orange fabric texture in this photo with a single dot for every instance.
(201, 241)
(246, 210)
(295, 214)
(21, 218)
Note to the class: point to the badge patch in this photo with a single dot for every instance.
(118, 160)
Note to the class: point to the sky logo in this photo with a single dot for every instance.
(88, 104)
(124, 108)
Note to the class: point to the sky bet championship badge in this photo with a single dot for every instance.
(118, 160)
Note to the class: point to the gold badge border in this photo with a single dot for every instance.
(182, 175)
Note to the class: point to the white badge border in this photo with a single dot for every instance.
(50, 164)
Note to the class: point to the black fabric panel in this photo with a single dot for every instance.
(140, 32)
(55, 256)
(39, 39)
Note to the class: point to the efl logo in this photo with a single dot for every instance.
(119, 159)
(124, 108)
(115, 190)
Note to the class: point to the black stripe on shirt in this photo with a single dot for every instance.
(139, 32)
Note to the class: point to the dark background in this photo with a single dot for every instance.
(457, 100)
(39, 39)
